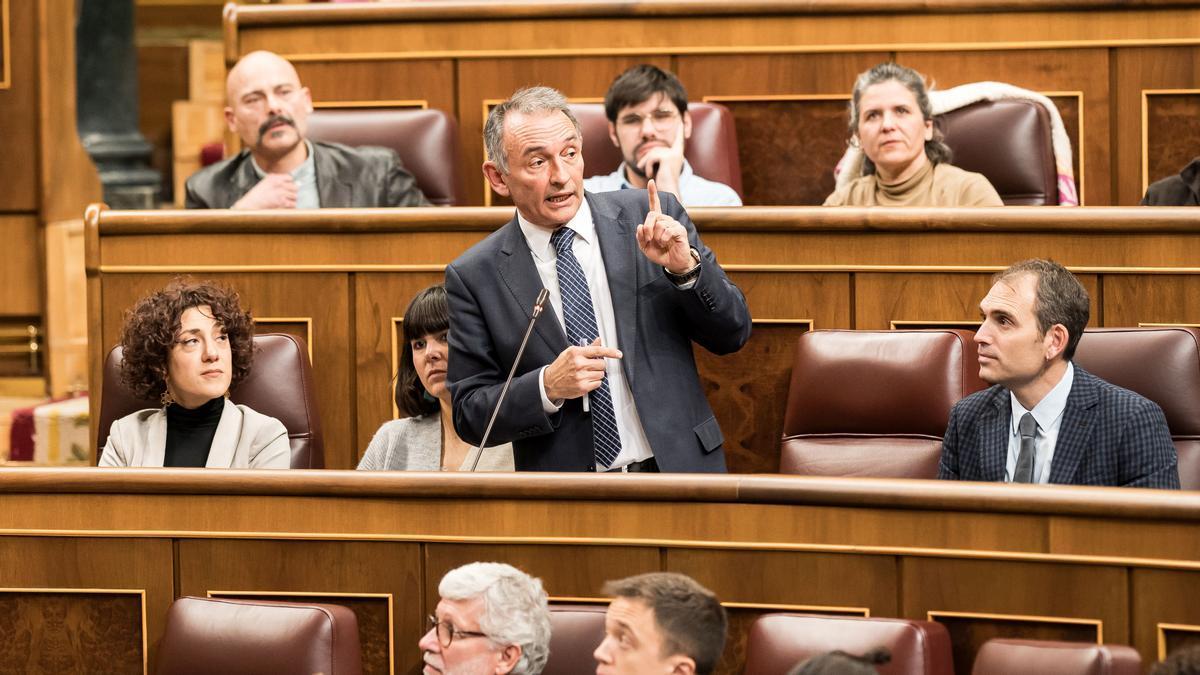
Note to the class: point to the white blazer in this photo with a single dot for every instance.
(244, 439)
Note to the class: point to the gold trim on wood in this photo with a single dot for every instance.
(735, 267)
(1097, 623)
(308, 329)
(1143, 324)
(855, 611)
(216, 269)
(140, 592)
(6, 35)
(1161, 631)
(1082, 144)
(385, 103)
(906, 324)
(1146, 94)
(309, 594)
(396, 322)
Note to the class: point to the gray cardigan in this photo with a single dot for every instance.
(415, 444)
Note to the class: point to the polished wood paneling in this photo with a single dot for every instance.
(496, 79)
(1138, 69)
(1042, 70)
(20, 275)
(968, 632)
(339, 82)
(1164, 597)
(67, 631)
(19, 110)
(1135, 298)
(325, 298)
(1172, 132)
(320, 571)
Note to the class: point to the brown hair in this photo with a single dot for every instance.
(935, 148)
(691, 619)
(427, 313)
(1060, 298)
(152, 327)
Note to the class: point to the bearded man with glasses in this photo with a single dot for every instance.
(492, 619)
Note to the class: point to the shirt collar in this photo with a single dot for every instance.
(1052, 405)
(538, 238)
(619, 174)
(306, 168)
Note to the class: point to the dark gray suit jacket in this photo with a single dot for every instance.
(361, 177)
(492, 288)
(1108, 436)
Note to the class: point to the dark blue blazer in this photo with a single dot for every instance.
(1108, 436)
(492, 288)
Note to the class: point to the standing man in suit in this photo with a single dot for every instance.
(281, 169)
(608, 381)
(1046, 420)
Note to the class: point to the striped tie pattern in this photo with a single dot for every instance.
(581, 330)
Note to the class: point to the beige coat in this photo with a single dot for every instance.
(244, 439)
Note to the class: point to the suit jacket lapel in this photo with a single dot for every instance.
(155, 452)
(244, 179)
(1075, 431)
(993, 437)
(226, 438)
(520, 275)
(332, 192)
(618, 246)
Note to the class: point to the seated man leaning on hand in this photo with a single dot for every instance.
(492, 619)
(1046, 420)
(649, 122)
(281, 169)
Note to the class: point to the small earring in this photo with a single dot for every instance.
(165, 398)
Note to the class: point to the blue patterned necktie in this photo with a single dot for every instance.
(581, 330)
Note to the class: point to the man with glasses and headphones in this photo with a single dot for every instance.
(648, 121)
(492, 619)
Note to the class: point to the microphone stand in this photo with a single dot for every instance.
(537, 311)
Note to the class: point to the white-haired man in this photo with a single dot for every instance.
(492, 619)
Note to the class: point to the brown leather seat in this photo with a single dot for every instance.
(1162, 364)
(426, 140)
(778, 642)
(575, 632)
(205, 635)
(712, 150)
(1009, 142)
(875, 403)
(1039, 657)
(280, 385)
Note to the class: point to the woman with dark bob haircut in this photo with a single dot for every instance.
(424, 438)
(187, 346)
(907, 164)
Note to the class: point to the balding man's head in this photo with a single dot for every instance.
(266, 106)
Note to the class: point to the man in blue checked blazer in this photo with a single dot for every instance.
(1046, 420)
(608, 380)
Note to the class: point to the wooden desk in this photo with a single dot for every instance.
(342, 279)
(105, 551)
(1123, 74)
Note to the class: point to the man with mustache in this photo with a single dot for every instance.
(648, 121)
(279, 168)
(1045, 419)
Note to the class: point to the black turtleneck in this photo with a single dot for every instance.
(190, 432)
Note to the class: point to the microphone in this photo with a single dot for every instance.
(537, 311)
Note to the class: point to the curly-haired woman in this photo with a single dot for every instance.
(187, 345)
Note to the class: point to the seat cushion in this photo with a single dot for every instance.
(778, 642)
(1038, 657)
(575, 632)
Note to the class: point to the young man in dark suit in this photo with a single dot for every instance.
(1046, 420)
(608, 381)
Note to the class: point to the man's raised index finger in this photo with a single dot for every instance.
(652, 189)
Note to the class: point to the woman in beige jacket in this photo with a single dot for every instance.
(187, 345)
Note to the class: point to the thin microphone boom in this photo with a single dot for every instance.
(537, 311)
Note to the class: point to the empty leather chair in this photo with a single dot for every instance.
(875, 403)
(240, 637)
(426, 140)
(1009, 142)
(712, 150)
(575, 632)
(1162, 364)
(280, 385)
(1040, 657)
(778, 642)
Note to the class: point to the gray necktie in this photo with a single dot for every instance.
(1028, 430)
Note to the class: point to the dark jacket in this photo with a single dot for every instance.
(1181, 190)
(491, 289)
(361, 177)
(1108, 436)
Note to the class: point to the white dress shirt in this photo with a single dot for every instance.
(693, 190)
(635, 447)
(1048, 414)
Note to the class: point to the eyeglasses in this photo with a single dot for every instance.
(661, 119)
(446, 632)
